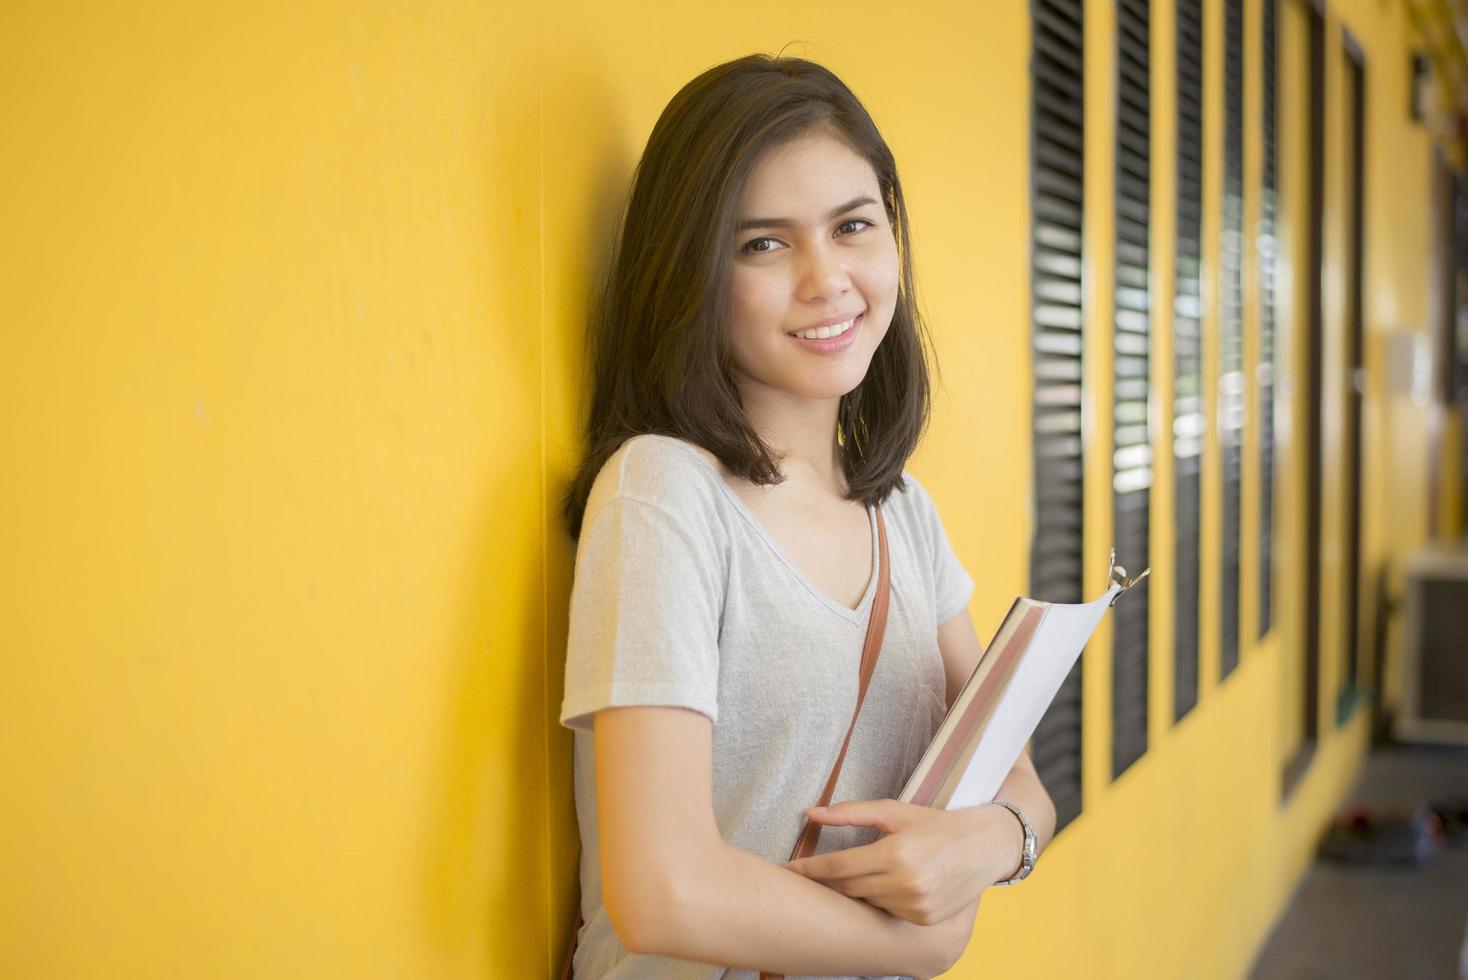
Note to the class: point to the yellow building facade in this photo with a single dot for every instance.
(292, 379)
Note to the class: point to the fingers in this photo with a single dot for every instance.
(899, 894)
(888, 816)
(848, 863)
(879, 886)
(889, 894)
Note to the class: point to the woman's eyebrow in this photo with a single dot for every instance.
(749, 223)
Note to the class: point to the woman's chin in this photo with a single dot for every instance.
(813, 384)
(826, 389)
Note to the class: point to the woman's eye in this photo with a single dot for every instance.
(753, 245)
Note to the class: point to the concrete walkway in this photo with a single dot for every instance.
(1369, 923)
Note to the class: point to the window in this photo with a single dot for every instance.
(1057, 176)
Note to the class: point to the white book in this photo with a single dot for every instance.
(1005, 697)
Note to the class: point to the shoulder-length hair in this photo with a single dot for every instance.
(658, 340)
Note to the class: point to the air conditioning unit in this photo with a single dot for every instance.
(1435, 664)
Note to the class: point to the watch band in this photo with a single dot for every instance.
(1028, 863)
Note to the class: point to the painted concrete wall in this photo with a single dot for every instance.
(290, 386)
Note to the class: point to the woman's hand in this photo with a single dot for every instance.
(928, 866)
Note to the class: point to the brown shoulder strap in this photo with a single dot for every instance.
(805, 844)
(810, 835)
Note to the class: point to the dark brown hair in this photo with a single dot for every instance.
(658, 347)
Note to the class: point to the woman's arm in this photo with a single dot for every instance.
(1023, 788)
(673, 886)
(744, 905)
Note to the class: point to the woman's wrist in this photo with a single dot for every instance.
(1006, 844)
(998, 843)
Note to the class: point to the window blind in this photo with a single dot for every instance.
(1057, 178)
(1131, 473)
(1187, 426)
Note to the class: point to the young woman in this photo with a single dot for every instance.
(759, 383)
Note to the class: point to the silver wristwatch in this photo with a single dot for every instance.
(1028, 864)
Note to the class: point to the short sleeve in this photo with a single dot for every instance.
(953, 586)
(645, 614)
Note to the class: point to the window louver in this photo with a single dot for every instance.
(1457, 376)
(1268, 249)
(1132, 453)
(1231, 332)
(1057, 175)
(1187, 427)
(1355, 364)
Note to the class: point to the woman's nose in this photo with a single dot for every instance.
(824, 274)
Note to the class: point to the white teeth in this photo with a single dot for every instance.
(822, 333)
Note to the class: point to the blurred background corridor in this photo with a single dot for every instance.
(292, 301)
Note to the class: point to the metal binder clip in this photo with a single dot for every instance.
(1117, 577)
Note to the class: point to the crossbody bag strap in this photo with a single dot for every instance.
(805, 844)
(810, 835)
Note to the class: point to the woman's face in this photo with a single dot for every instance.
(812, 246)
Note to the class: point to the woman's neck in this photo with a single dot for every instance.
(803, 432)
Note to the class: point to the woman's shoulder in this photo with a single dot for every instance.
(663, 471)
(910, 494)
(912, 504)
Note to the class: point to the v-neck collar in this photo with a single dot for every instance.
(857, 615)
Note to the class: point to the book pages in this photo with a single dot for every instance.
(1004, 699)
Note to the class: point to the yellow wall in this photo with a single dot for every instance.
(289, 390)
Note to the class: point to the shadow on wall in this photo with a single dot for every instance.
(503, 766)
(509, 819)
(585, 193)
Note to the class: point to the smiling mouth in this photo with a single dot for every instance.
(826, 333)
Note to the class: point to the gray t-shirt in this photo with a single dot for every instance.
(681, 597)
